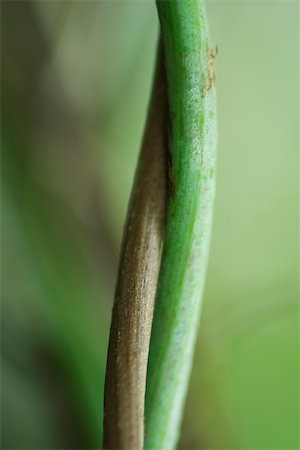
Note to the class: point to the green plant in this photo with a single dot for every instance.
(191, 95)
(192, 118)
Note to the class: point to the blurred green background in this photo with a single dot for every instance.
(76, 78)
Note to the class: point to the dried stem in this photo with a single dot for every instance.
(136, 285)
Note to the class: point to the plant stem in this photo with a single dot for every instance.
(137, 280)
(191, 97)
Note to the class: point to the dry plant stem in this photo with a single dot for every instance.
(136, 285)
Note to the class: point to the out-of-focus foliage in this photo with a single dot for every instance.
(75, 84)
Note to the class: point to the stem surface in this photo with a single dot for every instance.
(137, 280)
(191, 96)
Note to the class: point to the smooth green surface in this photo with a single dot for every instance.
(184, 260)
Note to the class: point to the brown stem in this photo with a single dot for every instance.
(137, 279)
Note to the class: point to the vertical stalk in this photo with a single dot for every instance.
(191, 97)
(136, 286)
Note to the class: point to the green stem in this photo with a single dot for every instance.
(192, 144)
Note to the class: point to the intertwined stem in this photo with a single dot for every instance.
(191, 119)
(136, 286)
(191, 97)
